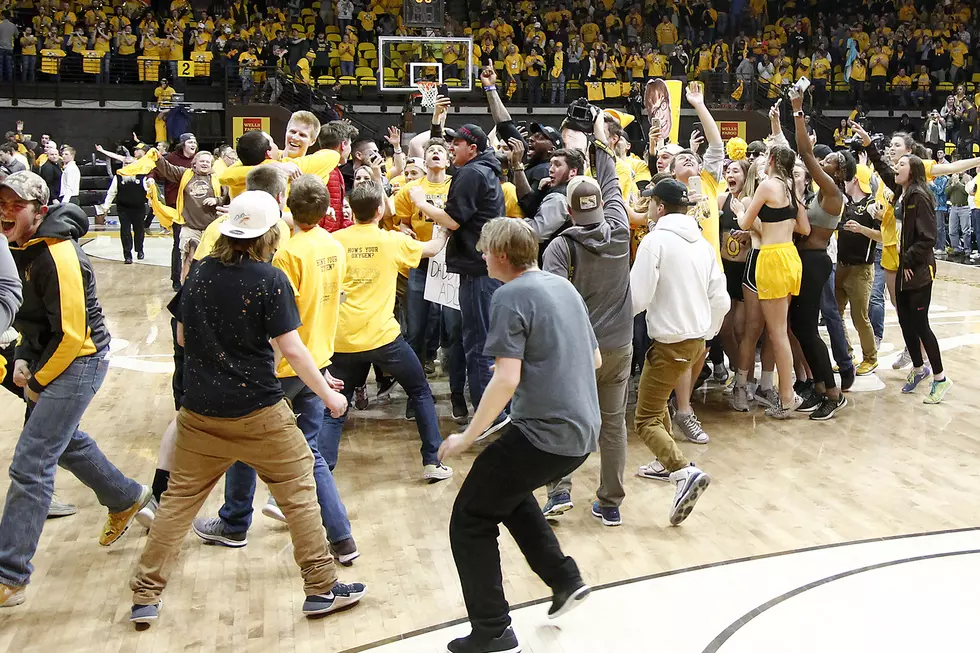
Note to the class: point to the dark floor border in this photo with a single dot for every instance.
(737, 625)
(662, 574)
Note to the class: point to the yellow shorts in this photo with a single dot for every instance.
(889, 258)
(778, 272)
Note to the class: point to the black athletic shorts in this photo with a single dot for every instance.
(734, 275)
(749, 279)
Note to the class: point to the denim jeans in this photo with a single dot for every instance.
(960, 228)
(398, 360)
(422, 318)
(975, 219)
(876, 308)
(452, 340)
(51, 438)
(835, 324)
(6, 65)
(28, 63)
(236, 513)
(475, 294)
(941, 229)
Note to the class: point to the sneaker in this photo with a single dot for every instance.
(144, 614)
(740, 399)
(436, 472)
(913, 380)
(730, 386)
(409, 411)
(341, 596)
(140, 255)
(938, 391)
(506, 643)
(784, 412)
(146, 516)
(767, 398)
(720, 373)
(608, 514)
(384, 388)
(828, 408)
(345, 551)
(866, 367)
(690, 427)
(429, 367)
(361, 398)
(803, 388)
(119, 522)
(60, 508)
(691, 484)
(11, 595)
(127, 261)
(847, 379)
(654, 470)
(877, 343)
(493, 428)
(213, 531)
(672, 406)
(565, 602)
(751, 389)
(810, 403)
(272, 511)
(903, 361)
(558, 504)
(460, 410)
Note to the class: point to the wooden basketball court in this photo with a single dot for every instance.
(887, 465)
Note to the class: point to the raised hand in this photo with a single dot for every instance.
(516, 150)
(394, 137)
(694, 94)
(488, 77)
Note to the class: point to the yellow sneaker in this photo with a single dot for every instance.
(11, 595)
(119, 522)
(866, 367)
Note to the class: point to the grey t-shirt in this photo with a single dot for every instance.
(542, 320)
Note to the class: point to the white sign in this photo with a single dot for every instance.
(441, 287)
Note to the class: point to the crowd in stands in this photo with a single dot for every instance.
(880, 52)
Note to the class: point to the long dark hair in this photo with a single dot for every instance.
(918, 182)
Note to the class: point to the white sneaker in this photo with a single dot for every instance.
(903, 361)
(272, 511)
(493, 428)
(146, 516)
(654, 470)
(437, 472)
(690, 428)
(785, 412)
(767, 398)
(691, 483)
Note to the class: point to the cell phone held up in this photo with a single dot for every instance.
(801, 85)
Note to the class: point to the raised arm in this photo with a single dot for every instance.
(831, 197)
(714, 156)
(613, 204)
(112, 155)
(954, 167)
(874, 156)
(498, 111)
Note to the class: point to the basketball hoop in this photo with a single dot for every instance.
(429, 91)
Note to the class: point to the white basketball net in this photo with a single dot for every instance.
(429, 91)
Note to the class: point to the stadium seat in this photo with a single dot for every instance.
(347, 80)
(333, 37)
(331, 29)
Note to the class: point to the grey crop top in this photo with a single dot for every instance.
(820, 218)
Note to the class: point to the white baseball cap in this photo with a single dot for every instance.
(250, 215)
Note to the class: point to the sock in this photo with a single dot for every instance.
(939, 377)
(920, 369)
(741, 378)
(767, 378)
(161, 480)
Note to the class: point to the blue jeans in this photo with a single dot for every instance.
(960, 228)
(835, 324)
(28, 63)
(475, 294)
(6, 65)
(51, 438)
(236, 513)
(975, 219)
(398, 360)
(876, 307)
(941, 229)
(422, 318)
(452, 339)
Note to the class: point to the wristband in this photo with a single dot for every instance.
(798, 114)
(398, 151)
(492, 87)
(518, 168)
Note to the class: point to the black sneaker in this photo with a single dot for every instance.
(429, 367)
(811, 402)
(341, 596)
(140, 255)
(385, 384)
(409, 411)
(803, 388)
(214, 531)
(461, 411)
(506, 643)
(128, 261)
(563, 602)
(847, 379)
(500, 423)
(828, 408)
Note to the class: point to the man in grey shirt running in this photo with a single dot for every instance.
(539, 327)
(594, 255)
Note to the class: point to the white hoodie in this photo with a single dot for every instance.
(677, 281)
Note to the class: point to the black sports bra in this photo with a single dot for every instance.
(727, 220)
(788, 212)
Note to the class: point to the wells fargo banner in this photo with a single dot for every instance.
(240, 125)
(732, 129)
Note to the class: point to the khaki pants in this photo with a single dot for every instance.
(665, 364)
(853, 284)
(612, 383)
(267, 440)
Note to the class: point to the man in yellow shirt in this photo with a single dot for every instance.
(513, 66)
(368, 332)
(923, 87)
(901, 87)
(821, 77)
(957, 55)
(666, 35)
(535, 66)
(878, 63)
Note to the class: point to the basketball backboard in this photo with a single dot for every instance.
(405, 60)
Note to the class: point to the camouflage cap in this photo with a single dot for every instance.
(28, 186)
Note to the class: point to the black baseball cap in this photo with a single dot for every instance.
(670, 192)
(472, 134)
(548, 132)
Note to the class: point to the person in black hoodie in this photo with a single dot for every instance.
(60, 362)
(129, 193)
(475, 197)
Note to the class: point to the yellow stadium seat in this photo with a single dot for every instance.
(346, 80)
(326, 80)
(366, 46)
(453, 83)
(976, 77)
(367, 81)
(944, 86)
(364, 71)
(306, 12)
(334, 37)
(331, 29)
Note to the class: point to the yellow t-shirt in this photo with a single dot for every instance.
(374, 257)
(821, 68)
(957, 53)
(211, 233)
(900, 80)
(589, 32)
(315, 264)
(529, 62)
(163, 94)
(319, 163)
(127, 44)
(859, 72)
(435, 193)
(511, 208)
(924, 82)
(706, 211)
(28, 46)
(879, 65)
(514, 63)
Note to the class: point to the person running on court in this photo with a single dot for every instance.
(539, 331)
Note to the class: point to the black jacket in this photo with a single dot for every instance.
(60, 319)
(475, 197)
